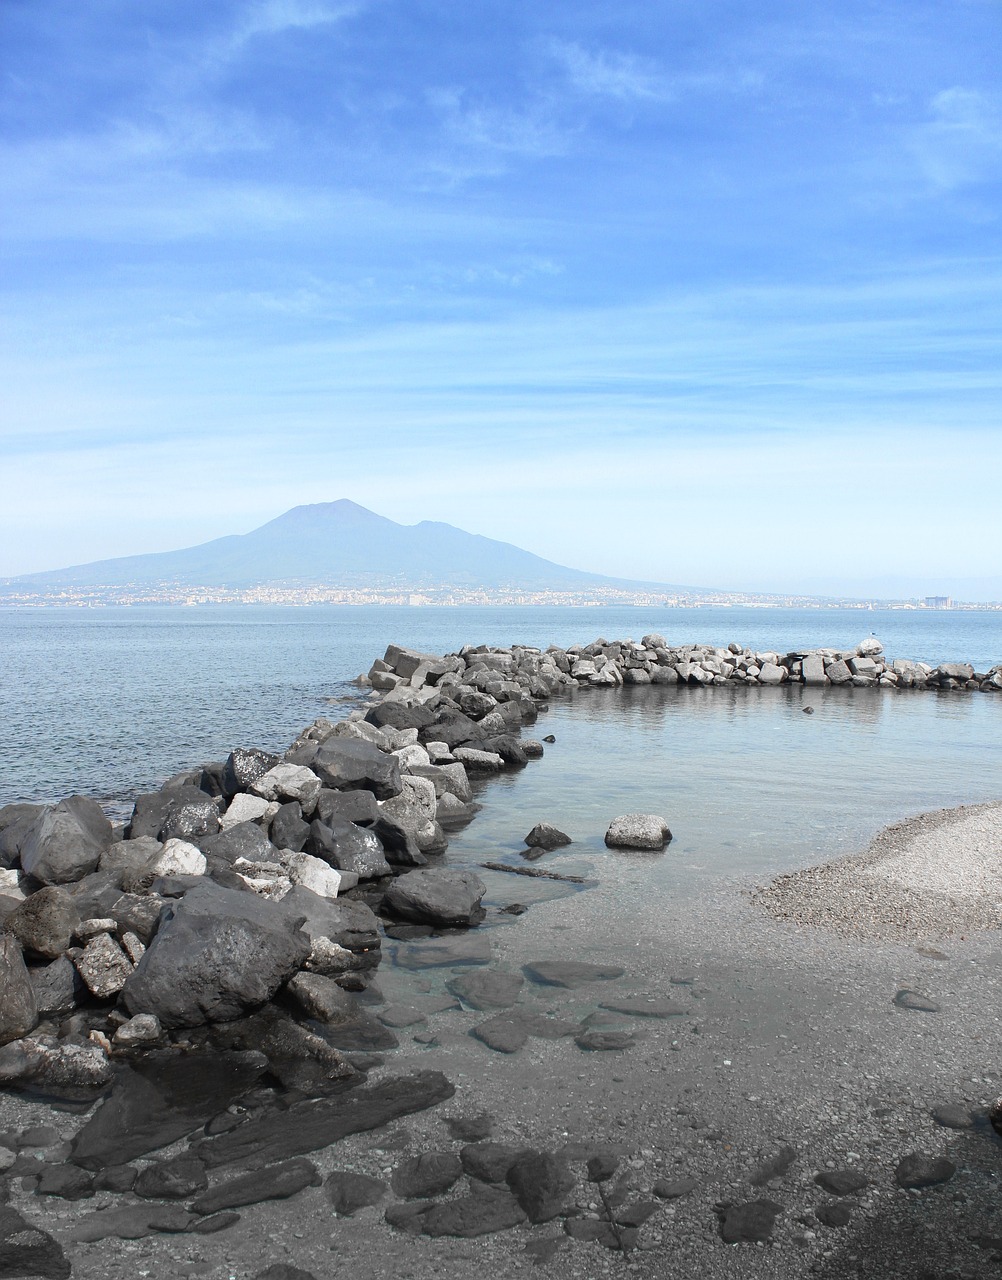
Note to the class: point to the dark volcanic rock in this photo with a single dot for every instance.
(596, 1231)
(184, 812)
(347, 847)
(244, 766)
(487, 988)
(15, 821)
(642, 1008)
(138, 914)
(275, 1182)
(920, 1170)
(18, 1010)
(546, 836)
(953, 1117)
(541, 1183)
(570, 973)
(775, 1167)
(321, 998)
(752, 1221)
(343, 933)
(131, 1222)
(219, 953)
(426, 1175)
(58, 987)
(437, 896)
(394, 715)
(26, 1250)
(508, 1032)
(349, 1192)
(243, 840)
(490, 1161)
(350, 764)
(171, 1179)
(44, 922)
(907, 999)
(595, 1040)
(834, 1215)
(473, 1128)
(65, 842)
(841, 1182)
(355, 806)
(316, 1124)
(64, 1180)
(485, 1211)
(161, 1098)
(288, 830)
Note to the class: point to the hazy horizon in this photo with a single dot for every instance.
(697, 294)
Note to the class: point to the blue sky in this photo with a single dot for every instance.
(694, 292)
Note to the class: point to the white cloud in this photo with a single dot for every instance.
(610, 74)
(961, 143)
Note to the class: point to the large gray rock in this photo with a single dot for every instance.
(343, 934)
(350, 764)
(360, 807)
(183, 813)
(638, 831)
(813, 670)
(58, 987)
(26, 1250)
(44, 922)
(65, 843)
(15, 822)
(541, 1183)
(346, 847)
(243, 840)
(244, 766)
(217, 954)
(437, 896)
(18, 1010)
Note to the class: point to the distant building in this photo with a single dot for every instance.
(938, 602)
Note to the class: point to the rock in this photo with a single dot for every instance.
(540, 1183)
(119, 1178)
(771, 673)
(171, 1179)
(138, 914)
(432, 953)
(312, 873)
(596, 1231)
(426, 1175)
(65, 843)
(66, 1181)
(407, 1217)
(638, 831)
(644, 1008)
(275, 1182)
(284, 1271)
(674, 1188)
(775, 1167)
(437, 897)
(343, 934)
(359, 807)
(813, 671)
(349, 1192)
(177, 858)
(44, 922)
(288, 829)
(26, 1250)
(285, 782)
(321, 1122)
(62, 1070)
(752, 1221)
(485, 1211)
(350, 764)
(907, 999)
(597, 1040)
(190, 815)
(833, 1215)
(348, 848)
(244, 766)
(245, 841)
(474, 1128)
(545, 836)
(601, 1167)
(489, 1161)
(487, 989)
(18, 1010)
(838, 672)
(218, 953)
(94, 927)
(216, 1222)
(920, 1170)
(243, 808)
(570, 973)
(57, 987)
(953, 1117)
(869, 648)
(841, 1182)
(131, 1222)
(104, 966)
(140, 1032)
(321, 998)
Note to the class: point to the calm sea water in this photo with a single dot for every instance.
(109, 702)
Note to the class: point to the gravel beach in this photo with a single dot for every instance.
(792, 1058)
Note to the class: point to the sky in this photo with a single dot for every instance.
(699, 291)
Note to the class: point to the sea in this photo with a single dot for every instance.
(109, 702)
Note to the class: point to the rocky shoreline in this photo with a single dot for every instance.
(204, 985)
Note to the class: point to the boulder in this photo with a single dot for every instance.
(638, 831)
(65, 843)
(58, 987)
(541, 1183)
(348, 848)
(348, 1192)
(189, 816)
(312, 873)
(838, 672)
(288, 830)
(487, 988)
(321, 998)
(27, 1250)
(437, 896)
(350, 764)
(177, 858)
(243, 840)
(18, 1010)
(244, 808)
(44, 922)
(286, 782)
(343, 935)
(104, 966)
(218, 953)
(15, 822)
(58, 1068)
(812, 670)
(869, 648)
(244, 766)
(360, 807)
(546, 836)
(425, 1175)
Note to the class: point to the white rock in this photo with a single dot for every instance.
(420, 791)
(772, 673)
(439, 752)
(312, 873)
(289, 782)
(869, 648)
(266, 879)
(410, 756)
(142, 1029)
(10, 886)
(178, 858)
(104, 966)
(243, 808)
(638, 831)
(88, 929)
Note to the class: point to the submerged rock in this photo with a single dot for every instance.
(638, 831)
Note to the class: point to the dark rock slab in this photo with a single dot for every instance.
(359, 807)
(634, 1214)
(348, 1192)
(644, 1008)
(914, 1000)
(920, 1170)
(218, 953)
(18, 1010)
(65, 842)
(171, 1179)
(44, 922)
(841, 1182)
(352, 764)
(161, 1098)
(407, 1216)
(347, 847)
(508, 1032)
(321, 998)
(288, 830)
(595, 1040)
(546, 836)
(244, 766)
(487, 989)
(434, 953)
(953, 1117)
(484, 1212)
(58, 987)
(215, 1222)
(131, 1222)
(751, 1221)
(834, 1214)
(775, 1167)
(490, 1161)
(674, 1188)
(540, 1182)
(363, 1033)
(426, 1175)
(316, 1124)
(538, 873)
(67, 1181)
(243, 840)
(401, 1015)
(26, 1250)
(273, 1182)
(570, 973)
(119, 1178)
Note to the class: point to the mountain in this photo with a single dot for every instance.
(337, 544)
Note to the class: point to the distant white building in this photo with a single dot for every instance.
(938, 602)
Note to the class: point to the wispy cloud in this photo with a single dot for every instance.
(610, 74)
(961, 142)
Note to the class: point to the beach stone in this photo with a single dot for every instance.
(596, 1231)
(359, 806)
(487, 988)
(171, 1179)
(218, 953)
(61, 1069)
(215, 1222)
(44, 922)
(907, 999)
(312, 873)
(130, 1222)
(190, 817)
(349, 1192)
(119, 1178)
(18, 1008)
(595, 1040)
(327, 1120)
(644, 1008)
(570, 973)
(351, 764)
(343, 934)
(841, 1182)
(775, 1167)
(26, 1250)
(674, 1188)
(66, 1181)
(274, 1182)
(244, 840)
(638, 831)
(65, 842)
(489, 1161)
(407, 1217)
(838, 672)
(953, 1117)
(321, 998)
(104, 966)
(57, 986)
(833, 1215)
(920, 1170)
(752, 1221)
(426, 1175)
(401, 1015)
(484, 1212)
(546, 836)
(91, 928)
(288, 829)
(540, 1182)
(138, 914)
(437, 896)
